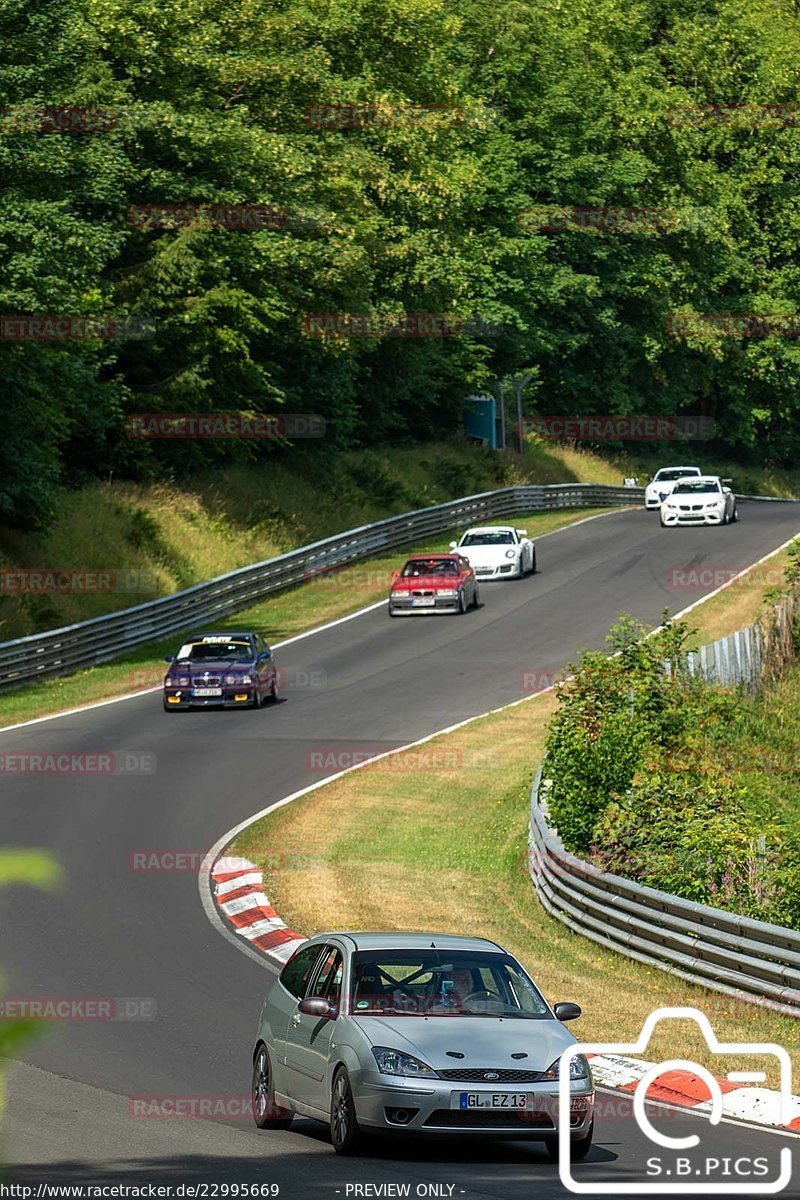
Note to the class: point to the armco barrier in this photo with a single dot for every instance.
(750, 960)
(60, 651)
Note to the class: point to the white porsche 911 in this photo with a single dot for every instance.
(703, 501)
(498, 551)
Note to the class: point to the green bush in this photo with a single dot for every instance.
(655, 777)
(613, 709)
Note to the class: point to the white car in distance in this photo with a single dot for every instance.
(498, 551)
(663, 482)
(703, 501)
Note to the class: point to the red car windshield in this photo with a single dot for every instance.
(429, 566)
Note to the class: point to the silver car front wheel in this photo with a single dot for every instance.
(345, 1133)
(266, 1113)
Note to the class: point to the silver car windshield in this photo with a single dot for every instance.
(439, 983)
(496, 538)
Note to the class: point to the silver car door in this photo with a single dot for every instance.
(308, 1039)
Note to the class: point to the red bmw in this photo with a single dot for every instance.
(433, 583)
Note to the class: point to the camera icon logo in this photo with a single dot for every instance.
(698, 1173)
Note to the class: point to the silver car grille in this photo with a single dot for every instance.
(499, 1075)
(476, 1118)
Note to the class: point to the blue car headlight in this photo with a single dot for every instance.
(236, 680)
(395, 1062)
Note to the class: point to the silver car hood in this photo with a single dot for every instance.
(484, 1041)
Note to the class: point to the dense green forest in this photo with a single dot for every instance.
(404, 152)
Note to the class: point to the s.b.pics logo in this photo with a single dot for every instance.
(681, 1165)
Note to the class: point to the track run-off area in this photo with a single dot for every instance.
(112, 931)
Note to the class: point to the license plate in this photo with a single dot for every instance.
(206, 691)
(495, 1100)
(423, 601)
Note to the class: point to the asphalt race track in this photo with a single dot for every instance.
(114, 932)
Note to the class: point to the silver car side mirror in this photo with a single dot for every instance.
(567, 1011)
(317, 1006)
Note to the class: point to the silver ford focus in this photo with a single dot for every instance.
(415, 1033)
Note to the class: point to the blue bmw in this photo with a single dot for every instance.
(231, 670)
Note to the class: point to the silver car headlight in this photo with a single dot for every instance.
(395, 1062)
(578, 1068)
(447, 591)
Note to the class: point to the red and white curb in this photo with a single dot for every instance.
(754, 1105)
(242, 903)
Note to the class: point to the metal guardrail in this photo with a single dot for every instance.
(102, 639)
(750, 960)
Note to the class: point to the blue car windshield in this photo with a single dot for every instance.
(208, 651)
(443, 983)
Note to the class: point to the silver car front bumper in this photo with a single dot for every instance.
(389, 1105)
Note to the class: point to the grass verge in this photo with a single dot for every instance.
(277, 618)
